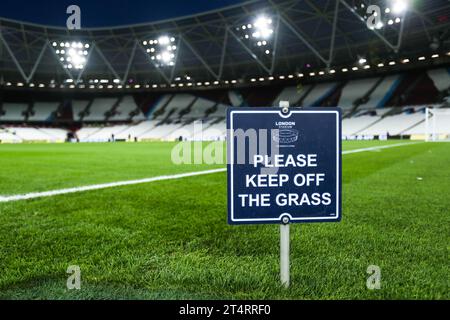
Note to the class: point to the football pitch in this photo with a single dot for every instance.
(169, 239)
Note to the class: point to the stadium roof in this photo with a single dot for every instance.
(310, 37)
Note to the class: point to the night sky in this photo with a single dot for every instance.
(102, 13)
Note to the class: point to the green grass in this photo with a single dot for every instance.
(170, 239)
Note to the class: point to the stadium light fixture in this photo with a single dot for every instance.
(434, 56)
(362, 61)
(162, 50)
(263, 28)
(73, 55)
(399, 6)
(257, 37)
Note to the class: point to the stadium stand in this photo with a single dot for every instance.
(7, 136)
(292, 94)
(355, 90)
(43, 111)
(382, 92)
(126, 110)
(394, 125)
(373, 106)
(79, 107)
(13, 112)
(31, 134)
(133, 132)
(441, 78)
(318, 94)
(442, 126)
(97, 111)
(55, 134)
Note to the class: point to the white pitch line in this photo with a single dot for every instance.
(105, 185)
(380, 147)
(52, 193)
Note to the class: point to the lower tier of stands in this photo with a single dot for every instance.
(405, 121)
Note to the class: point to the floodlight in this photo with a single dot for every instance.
(263, 26)
(399, 6)
(74, 57)
(257, 35)
(161, 50)
(362, 60)
(163, 40)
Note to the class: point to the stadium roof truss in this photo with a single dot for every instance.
(307, 35)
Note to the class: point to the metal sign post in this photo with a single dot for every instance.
(285, 238)
(284, 252)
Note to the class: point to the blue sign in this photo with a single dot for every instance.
(284, 165)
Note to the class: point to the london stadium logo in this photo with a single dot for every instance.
(285, 133)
